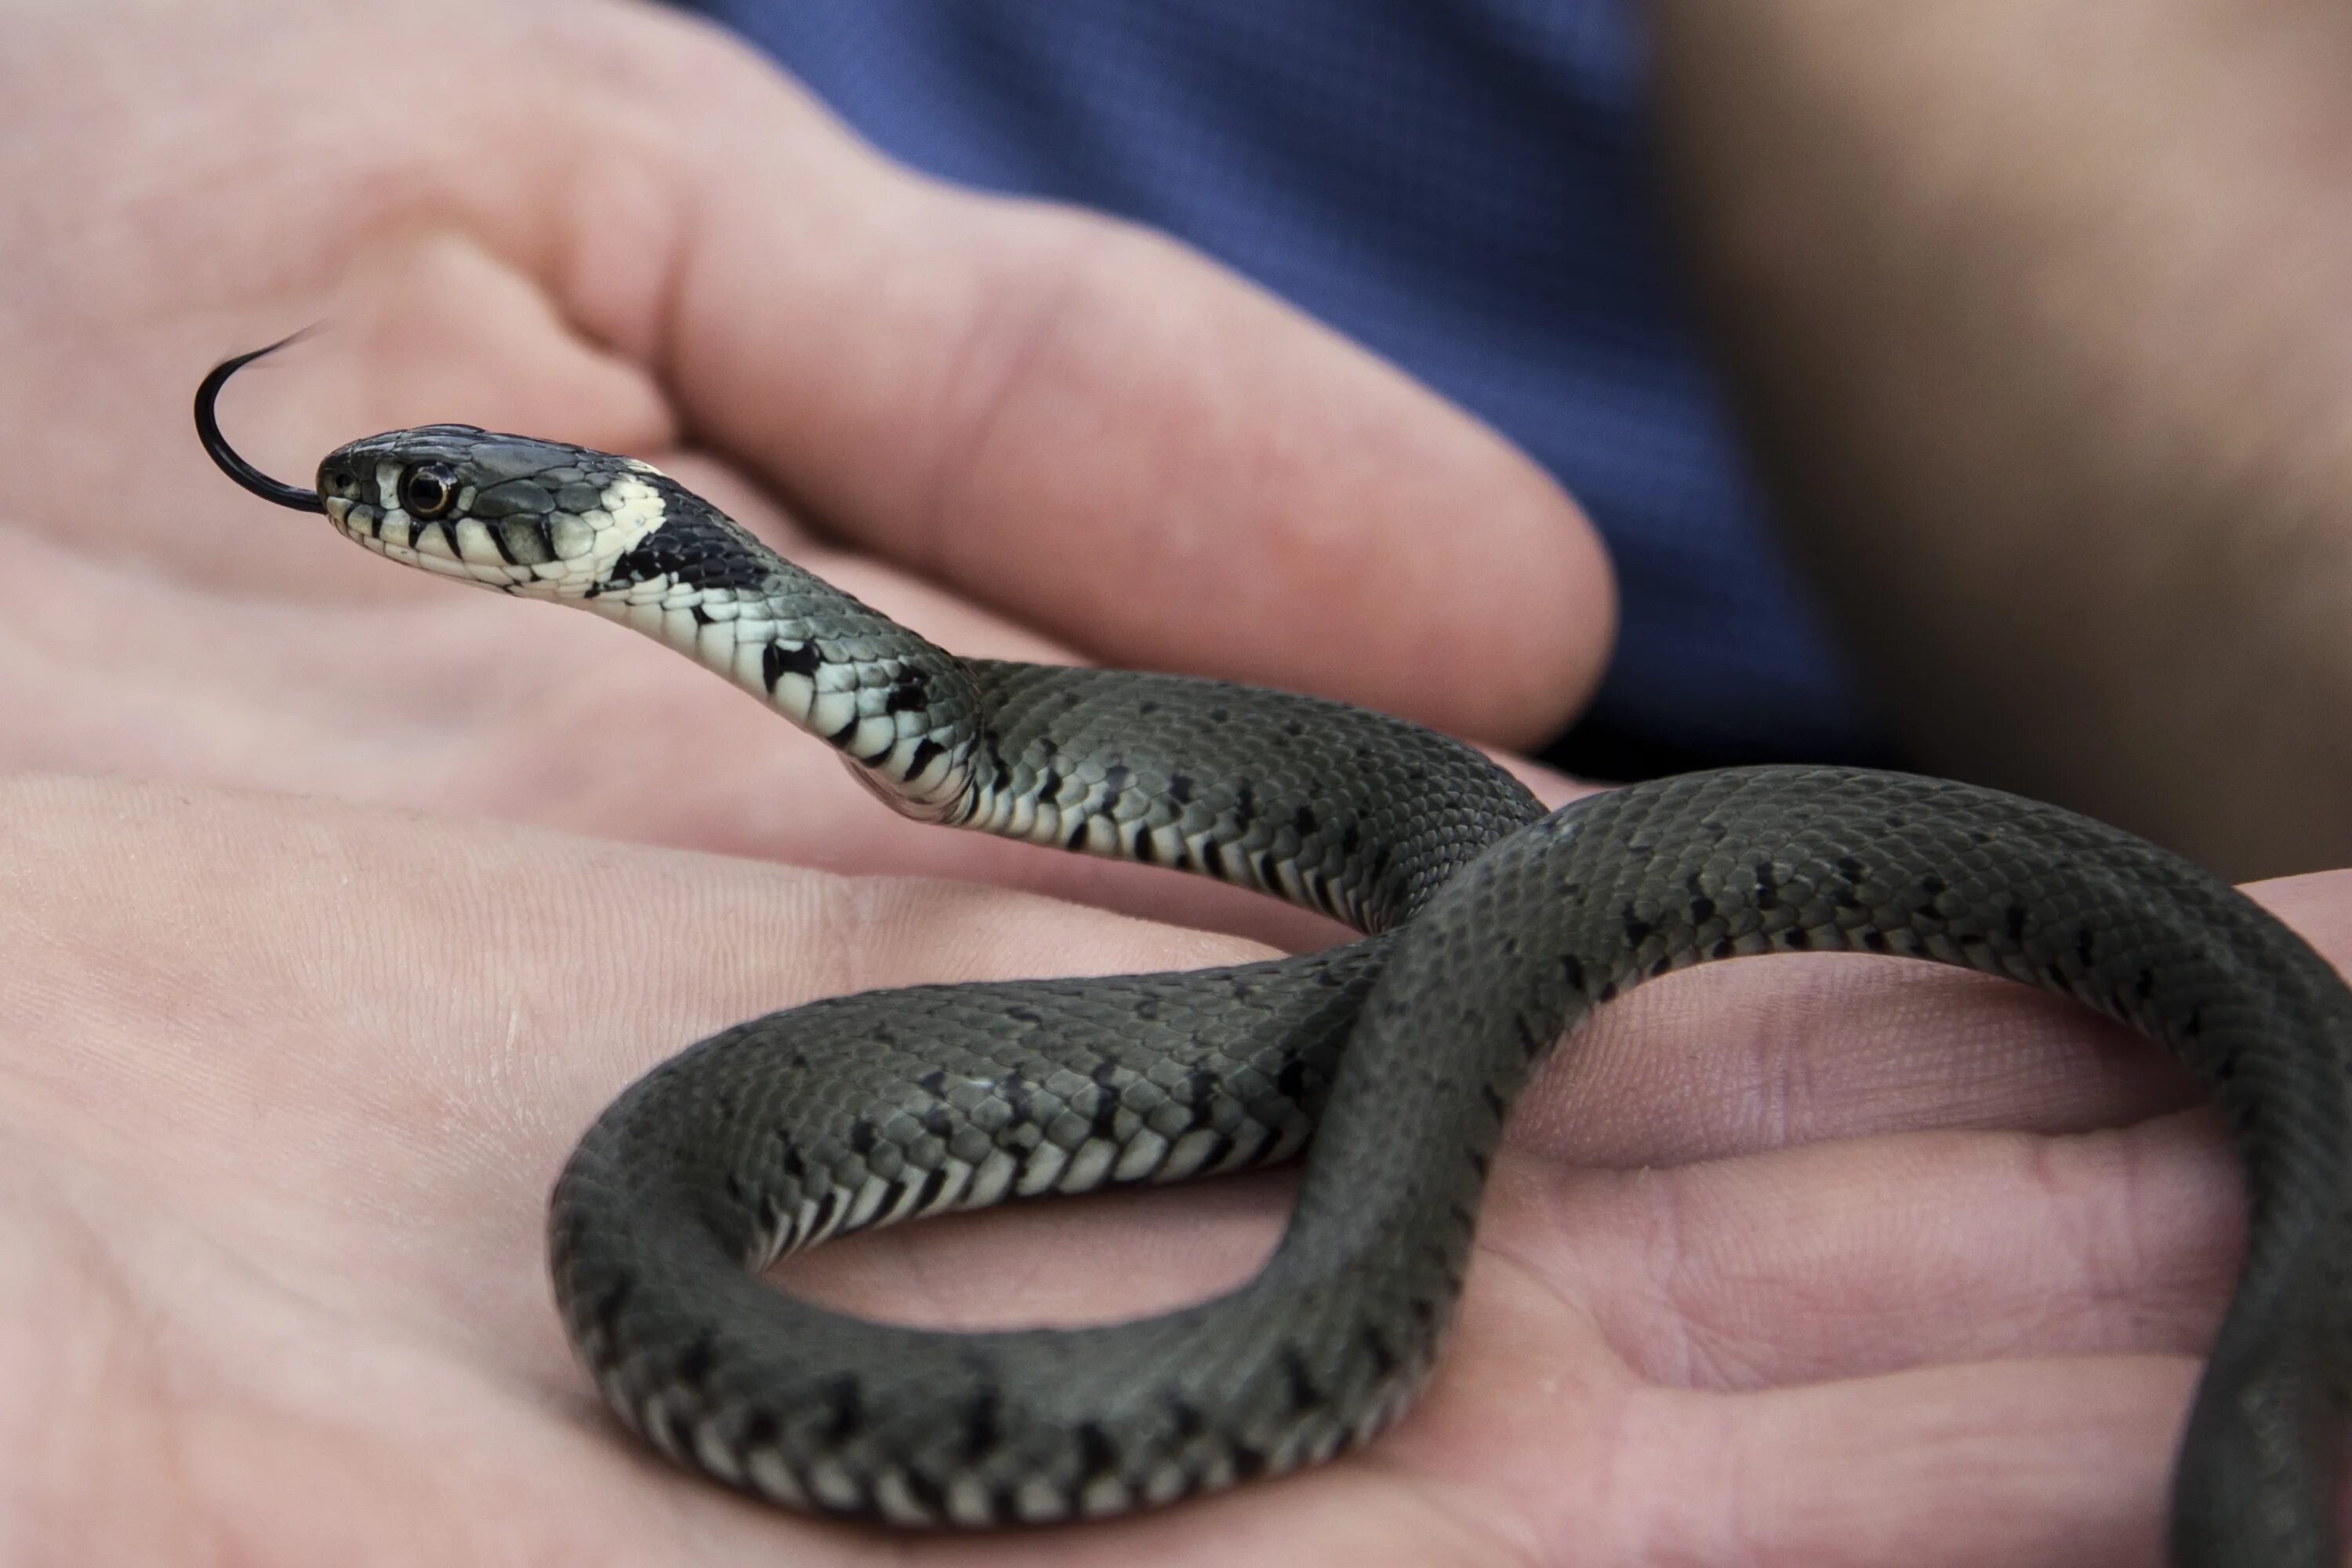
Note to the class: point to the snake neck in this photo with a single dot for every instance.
(902, 711)
(1282, 793)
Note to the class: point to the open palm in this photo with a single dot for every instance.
(286, 1074)
(284, 1121)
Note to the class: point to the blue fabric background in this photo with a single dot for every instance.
(1462, 184)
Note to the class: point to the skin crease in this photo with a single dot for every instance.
(1802, 1261)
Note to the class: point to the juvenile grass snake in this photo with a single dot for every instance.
(1491, 929)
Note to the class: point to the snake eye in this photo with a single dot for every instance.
(427, 491)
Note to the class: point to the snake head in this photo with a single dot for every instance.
(538, 519)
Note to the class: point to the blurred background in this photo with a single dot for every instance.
(1937, 375)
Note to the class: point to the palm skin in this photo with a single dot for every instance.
(1795, 1260)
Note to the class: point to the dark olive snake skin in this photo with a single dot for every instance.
(1497, 928)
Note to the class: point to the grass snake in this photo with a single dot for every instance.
(1491, 928)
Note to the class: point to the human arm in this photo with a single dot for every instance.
(2034, 309)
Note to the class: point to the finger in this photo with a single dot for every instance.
(1105, 435)
(1533, 1431)
(1771, 1051)
(2059, 1463)
(1781, 1049)
(1877, 1255)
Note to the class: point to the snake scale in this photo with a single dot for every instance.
(1490, 928)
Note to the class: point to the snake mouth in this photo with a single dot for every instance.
(225, 457)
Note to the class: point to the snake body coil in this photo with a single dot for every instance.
(1492, 928)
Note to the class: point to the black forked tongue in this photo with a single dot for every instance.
(216, 445)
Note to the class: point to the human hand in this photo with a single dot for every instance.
(1032, 432)
(1750, 1287)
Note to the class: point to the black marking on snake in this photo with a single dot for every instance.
(1184, 1419)
(1179, 788)
(934, 1183)
(927, 751)
(694, 1362)
(1797, 939)
(1015, 1089)
(1104, 1122)
(861, 1136)
(702, 618)
(1768, 887)
(928, 1494)
(776, 661)
(821, 1220)
(1143, 850)
(1874, 939)
(2016, 918)
(847, 1411)
(907, 692)
(1376, 1348)
(1077, 836)
(1299, 1382)
(692, 547)
(982, 1419)
(846, 730)
(607, 1311)
(1725, 948)
(759, 1429)
(938, 1122)
(1096, 1457)
(1291, 1080)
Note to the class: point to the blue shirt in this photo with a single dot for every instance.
(1463, 186)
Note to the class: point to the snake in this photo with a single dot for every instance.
(1490, 928)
